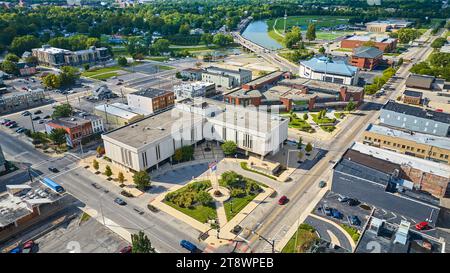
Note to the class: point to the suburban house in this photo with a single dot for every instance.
(366, 57)
(324, 69)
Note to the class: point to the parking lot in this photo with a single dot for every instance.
(330, 200)
(81, 236)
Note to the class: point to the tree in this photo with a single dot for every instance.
(121, 177)
(204, 198)
(12, 57)
(222, 39)
(406, 35)
(51, 81)
(141, 244)
(95, 165)
(68, 75)
(58, 136)
(178, 155)
(63, 110)
(293, 37)
(350, 106)
(305, 116)
(300, 143)
(86, 67)
(184, 29)
(322, 50)
(311, 32)
(10, 67)
(308, 148)
(207, 38)
(100, 150)
(24, 43)
(141, 179)
(160, 46)
(122, 61)
(108, 171)
(229, 147)
(32, 60)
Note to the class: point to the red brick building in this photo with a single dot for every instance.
(76, 128)
(366, 57)
(384, 44)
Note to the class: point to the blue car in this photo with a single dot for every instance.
(354, 220)
(336, 214)
(16, 250)
(188, 245)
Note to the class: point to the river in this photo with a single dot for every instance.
(257, 32)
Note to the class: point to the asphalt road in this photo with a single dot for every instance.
(323, 228)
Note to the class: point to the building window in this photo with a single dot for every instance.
(158, 153)
(144, 159)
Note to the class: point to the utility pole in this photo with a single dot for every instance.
(270, 242)
(285, 19)
(32, 124)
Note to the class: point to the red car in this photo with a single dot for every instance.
(283, 200)
(422, 226)
(28, 246)
(126, 249)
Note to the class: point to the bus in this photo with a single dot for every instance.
(52, 185)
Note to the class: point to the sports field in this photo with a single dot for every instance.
(276, 26)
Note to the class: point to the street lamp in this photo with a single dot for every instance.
(32, 124)
(270, 242)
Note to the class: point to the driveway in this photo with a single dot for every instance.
(327, 230)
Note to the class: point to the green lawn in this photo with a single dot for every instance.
(300, 124)
(302, 240)
(343, 49)
(339, 115)
(165, 67)
(324, 120)
(93, 72)
(105, 76)
(327, 35)
(245, 167)
(238, 204)
(200, 213)
(354, 233)
(327, 128)
(157, 58)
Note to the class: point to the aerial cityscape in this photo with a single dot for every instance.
(224, 126)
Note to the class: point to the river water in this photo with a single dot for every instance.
(257, 32)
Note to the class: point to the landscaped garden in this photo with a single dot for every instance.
(353, 232)
(299, 123)
(193, 200)
(242, 191)
(302, 240)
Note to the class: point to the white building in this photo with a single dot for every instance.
(226, 77)
(152, 141)
(194, 89)
(323, 69)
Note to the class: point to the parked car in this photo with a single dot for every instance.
(36, 118)
(336, 214)
(4, 121)
(28, 246)
(16, 250)
(37, 112)
(47, 117)
(53, 169)
(342, 198)
(354, 220)
(322, 184)
(352, 202)
(20, 130)
(9, 122)
(41, 121)
(283, 200)
(188, 245)
(13, 125)
(120, 201)
(26, 113)
(327, 210)
(126, 249)
(422, 225)
(96, 186)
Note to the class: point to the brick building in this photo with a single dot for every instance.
(412, 97)
(366, 57)
(384, 44)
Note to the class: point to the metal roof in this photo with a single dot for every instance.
(324, 65)
(367, 52)
(417, 112)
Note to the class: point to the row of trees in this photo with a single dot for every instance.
(293, 37)
(437, 65)
(141, 179)
(379, 81)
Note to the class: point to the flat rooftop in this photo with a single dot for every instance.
(16, 202)
(151, 93)
(411, 93)
(323, 65)
(436, 141)
(52, 50)
(69, 122)
(154, 127)
(415, 162)
(417, 112)
(366, 38)
(318, 86)
(241, 93)
(248, 119)
(265, 78)
(225, 70)
(121, 110)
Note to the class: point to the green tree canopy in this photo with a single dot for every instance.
(141, 179)
(141, 244)
(311, 32)
(24, 43)
(51, 81)
(58, 136)
(229, 147)
(63, 110)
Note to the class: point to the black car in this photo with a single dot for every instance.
(120, 201)
(47, 117)
(36, 118)
(95, 186)
(53, 169)
(38, 112)
(140, 212)
(352, 202)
